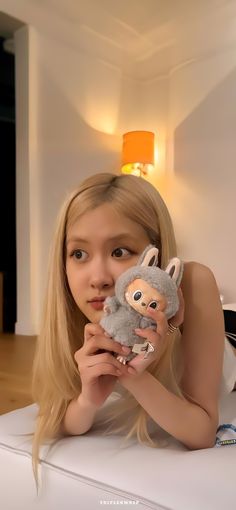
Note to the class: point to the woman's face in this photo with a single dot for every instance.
(100, 246)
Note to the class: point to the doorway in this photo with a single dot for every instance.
(8, 189)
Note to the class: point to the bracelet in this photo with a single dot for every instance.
(225, 442)
(171, 328)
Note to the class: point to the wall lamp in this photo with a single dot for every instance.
(137, 152)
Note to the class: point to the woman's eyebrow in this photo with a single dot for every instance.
(75, 239)
(123, 236)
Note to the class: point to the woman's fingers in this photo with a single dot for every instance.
(101, 342)
(100, 369)
(180, 314)
(96, 339)
(160, 319)
(154, 337)
(101, 360)
(178, 318)
(105, 357)
(95, 357)
(148, 334)
(92, 329)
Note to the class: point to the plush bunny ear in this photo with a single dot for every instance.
(175, 270)
(149, 257)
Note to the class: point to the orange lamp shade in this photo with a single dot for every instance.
(137, 152)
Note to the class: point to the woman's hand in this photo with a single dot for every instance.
(155, 337)
(98, 368)
(178, 318)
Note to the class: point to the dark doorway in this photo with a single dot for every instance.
(8, 187)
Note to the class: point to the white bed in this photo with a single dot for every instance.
(93, 471)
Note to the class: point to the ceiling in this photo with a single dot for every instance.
(148, 38)
(142, 19)
(144, 38)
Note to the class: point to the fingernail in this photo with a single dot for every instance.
(118, 372)
(125, 349)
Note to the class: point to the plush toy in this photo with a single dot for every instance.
(138, 288)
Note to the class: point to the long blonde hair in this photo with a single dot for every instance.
(55, 376)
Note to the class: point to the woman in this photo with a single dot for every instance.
(103, 228)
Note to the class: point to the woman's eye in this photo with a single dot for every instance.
(79, 254)
(137, 295)
(120, 252)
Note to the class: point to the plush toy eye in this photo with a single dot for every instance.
(153, 304)
(137, 295)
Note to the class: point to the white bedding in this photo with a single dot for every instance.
(90, 472)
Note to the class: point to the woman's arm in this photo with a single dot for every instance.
(192, 419)
(79, 417)
(98, 370)
(203, 338)
(187, 422)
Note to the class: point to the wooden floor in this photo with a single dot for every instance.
(16, 356)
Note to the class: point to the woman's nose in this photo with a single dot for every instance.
(100, 276)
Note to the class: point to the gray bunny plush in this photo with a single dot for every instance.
(138, 288)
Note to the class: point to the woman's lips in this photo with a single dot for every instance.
(97, 303)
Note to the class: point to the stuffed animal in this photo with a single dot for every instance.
(141, 287)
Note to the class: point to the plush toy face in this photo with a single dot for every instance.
(140, 295)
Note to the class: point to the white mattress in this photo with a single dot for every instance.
(91, 472)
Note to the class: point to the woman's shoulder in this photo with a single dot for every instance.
(199, 281)
(196, 271)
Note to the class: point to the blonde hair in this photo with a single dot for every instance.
(55, 376)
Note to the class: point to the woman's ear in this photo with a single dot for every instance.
(149, 257)
(175, 270)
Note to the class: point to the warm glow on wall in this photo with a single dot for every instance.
(137, 152)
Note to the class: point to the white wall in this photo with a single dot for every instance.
(202, 159)
(66, 98)
(77, 108)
